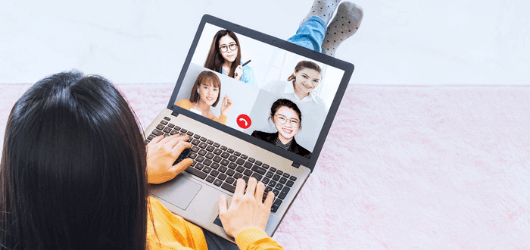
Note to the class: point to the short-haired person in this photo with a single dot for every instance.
(225, 57)
(287, 119)
(206, 92)
(74, 174)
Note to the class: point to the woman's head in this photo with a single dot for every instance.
(306, 76)
(224, 48)
(73, 168)
(287, 118)
(207, 88)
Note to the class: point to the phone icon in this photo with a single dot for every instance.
(243, 121)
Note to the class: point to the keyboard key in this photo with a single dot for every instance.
(167, 119)
(276, 192)
(222, 169)
(209, 142)
(218, 182)
(259, 170)
(151, 137)
(286, 189)
(265, 166)
(174, 132)
(276, 177)
(292, 178)
(216, 144)
(225, 155)
(210, 179)
(282, 195)
(210, 148)
(240, 161)
(251, 160)
(230, 180)
(183, 130)
(192, 155)
(286, 175)
(214, 165)
(209, 155)
(279, 186)
(222, 176)
(224, 162)
(196, 172)
(238, 175)
(248, 172)
(195, 142)
(269, 174)
(206, 169)
(196, 136)
(158, 132)
(199, 166)
(217, 151)
(258, 163)
(257, 176)
(290, 183)
(279, 172)
(207, 162)
(267, 190)
(237, 153)
(203, 145)
(214, 173)
(230, 150)
(283, 180)
(228, 187)
(160, 127)
(272, 184)
(278, 202)
(244, 156)
(195, 149)
(171, 125)
(230, 172)
(199, 158)
(202, 152)
(245, 178)
(217, 158)
(232, 165)
(167, 130)
(240, 169)
(248, 164)
(232, 158)
(265, 180)
(223, 148)
(272, 169)
(189, 133)
(203, 139)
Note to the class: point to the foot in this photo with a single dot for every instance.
(323, 9)
(344, 25)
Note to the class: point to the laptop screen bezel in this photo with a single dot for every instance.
(282, 44)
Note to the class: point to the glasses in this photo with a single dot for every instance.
(232, 47)
(282, 119)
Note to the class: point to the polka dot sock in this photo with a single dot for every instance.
(344, 25)
(323, 9)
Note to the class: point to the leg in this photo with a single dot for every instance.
(310, 34)
(323, 9)
(344, 25)
(215, 242)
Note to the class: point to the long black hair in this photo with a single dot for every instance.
(215, 60)
(72, 174)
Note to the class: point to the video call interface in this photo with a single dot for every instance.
(261, 90)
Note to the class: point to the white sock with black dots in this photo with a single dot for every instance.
(344, 25)
(323, 9)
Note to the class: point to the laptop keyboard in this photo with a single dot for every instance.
(222, 166)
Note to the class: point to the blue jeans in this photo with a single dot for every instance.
(310, 34)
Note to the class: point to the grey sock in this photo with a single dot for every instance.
(323, 9)
(344, 25)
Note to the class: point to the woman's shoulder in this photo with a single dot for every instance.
(261, 134)
(276, 86)
(184, 103)
(296, 148)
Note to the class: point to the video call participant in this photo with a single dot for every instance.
(205, 94)
(300, 88)
(74, 175)
(287, 119)
(225, 57)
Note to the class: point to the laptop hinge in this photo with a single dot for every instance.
(296, 165)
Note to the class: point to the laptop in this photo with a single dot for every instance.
(280, 150)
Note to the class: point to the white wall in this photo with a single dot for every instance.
(399, 42)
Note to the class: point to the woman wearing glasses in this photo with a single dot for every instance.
(287, 119)
(225, 58)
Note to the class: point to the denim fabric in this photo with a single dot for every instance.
(310, 34)
(215, 242)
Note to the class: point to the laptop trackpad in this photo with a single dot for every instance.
(179, 191)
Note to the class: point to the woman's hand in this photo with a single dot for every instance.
(238, 73)
(161, 154)
(226, 105)
(246, 209)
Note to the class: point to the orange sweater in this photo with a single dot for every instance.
(186, 104)
(175, 233)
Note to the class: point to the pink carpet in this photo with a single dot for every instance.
(404, 167)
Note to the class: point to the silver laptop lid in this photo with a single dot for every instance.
(302, 87)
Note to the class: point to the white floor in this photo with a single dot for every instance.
(405, 42)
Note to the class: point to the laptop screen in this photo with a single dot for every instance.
(261, 90)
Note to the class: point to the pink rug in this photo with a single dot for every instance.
(404, 167)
